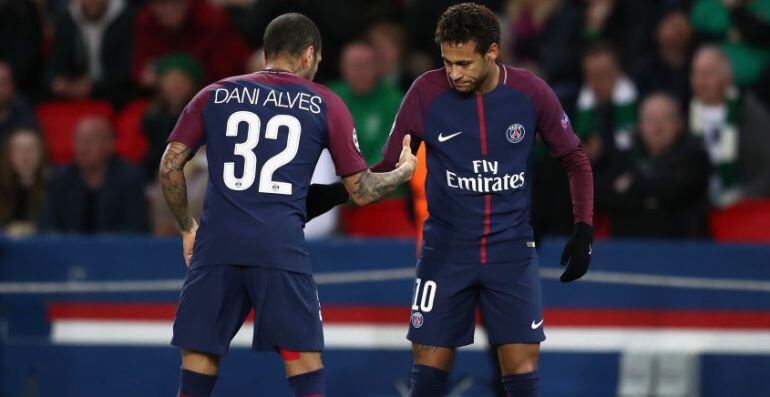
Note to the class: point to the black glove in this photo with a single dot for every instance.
(577, 252)
(322, 198)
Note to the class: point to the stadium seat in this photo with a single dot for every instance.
(130, 142)
(58, 120)
(746, 221)
(387, 218)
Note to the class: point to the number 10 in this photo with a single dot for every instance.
(428, 293)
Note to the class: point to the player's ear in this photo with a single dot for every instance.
(493, 52)
(308, 55)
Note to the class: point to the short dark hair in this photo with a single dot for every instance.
(469, 21)
(290, 34)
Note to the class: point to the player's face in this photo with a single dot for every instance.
(466, 67)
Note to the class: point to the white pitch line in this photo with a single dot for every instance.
(57, 287)
(393, 337)
(655, 280)
(406, 273)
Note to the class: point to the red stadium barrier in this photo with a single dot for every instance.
(130, 142)
(747, 221)
(343, 314)
(58, 120)
(387, 218)
(601, 226)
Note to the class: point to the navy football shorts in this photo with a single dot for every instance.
(215, 301)
(446, 297)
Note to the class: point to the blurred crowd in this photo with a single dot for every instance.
(671, 99)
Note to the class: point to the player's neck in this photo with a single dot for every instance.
(283, 65)
(493, 78)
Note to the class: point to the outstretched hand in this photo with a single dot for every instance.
(407, 159)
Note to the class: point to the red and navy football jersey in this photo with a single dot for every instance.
(263, 134)
(478, 145)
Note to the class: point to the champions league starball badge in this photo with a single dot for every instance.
(417, 319)
(515, 133)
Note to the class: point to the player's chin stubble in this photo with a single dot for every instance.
(468, 88)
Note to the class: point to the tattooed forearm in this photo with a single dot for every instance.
(371, 187)
(173, 183)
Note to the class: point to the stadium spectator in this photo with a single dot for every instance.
(388, 40)
(758, 30)
(23, 177)
(658, 187)
(606, 107)
(734, 128)
(91, 51)
(190, 26)
(21, 43)
(422, 55)
(577, 25)
(528, 20)
(559, 50)
(179, 78)
(14, 111)
(246, 18)
(627, 24)
(741, 28)
(98, 192)
(372, 101)
(339, 20)
(667, 66)
(715, 116)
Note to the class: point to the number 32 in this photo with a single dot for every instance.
(246, 150)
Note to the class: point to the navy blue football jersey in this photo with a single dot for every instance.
(478, 145)
(263, 134)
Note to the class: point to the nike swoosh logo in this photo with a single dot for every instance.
(538, 324)
(442, 138)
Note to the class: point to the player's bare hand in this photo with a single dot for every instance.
(188, 243)
(407, 159)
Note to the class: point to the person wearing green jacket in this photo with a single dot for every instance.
(372, 101)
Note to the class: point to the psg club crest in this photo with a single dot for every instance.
(355, 140)
(515, 133)
(417, 319)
